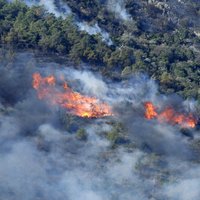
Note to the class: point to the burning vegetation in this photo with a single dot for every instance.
(74, 102)
(91, 107)
(169, 115)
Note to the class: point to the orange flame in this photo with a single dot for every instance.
(76, 103)
(150, 112)
(169, 115)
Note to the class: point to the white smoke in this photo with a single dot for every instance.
(118, 7)
(67, 169)
(57, 7)
(94, 30)
(92, 84)
(61, 9)
(186, 185)
(40, 159)
(185, 189)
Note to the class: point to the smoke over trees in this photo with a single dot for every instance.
(132, 44)
(119, 54)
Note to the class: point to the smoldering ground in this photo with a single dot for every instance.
(42, 159)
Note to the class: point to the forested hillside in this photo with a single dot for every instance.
(155, 38)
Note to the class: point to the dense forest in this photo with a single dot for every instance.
(153, 38)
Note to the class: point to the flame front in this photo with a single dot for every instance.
(169, 115)
(76, 103)
(91, 107)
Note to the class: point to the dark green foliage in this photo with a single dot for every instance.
(165, 49)
(87, 9)
(117, 135)
(81, 134)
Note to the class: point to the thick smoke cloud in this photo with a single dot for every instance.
(41, 159)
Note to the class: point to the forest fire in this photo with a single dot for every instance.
(91, 107)
(169, 115)
(77, 104)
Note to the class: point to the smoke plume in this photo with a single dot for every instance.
(118, 7)
(57, 7)
(44, 157)
(94, 30)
